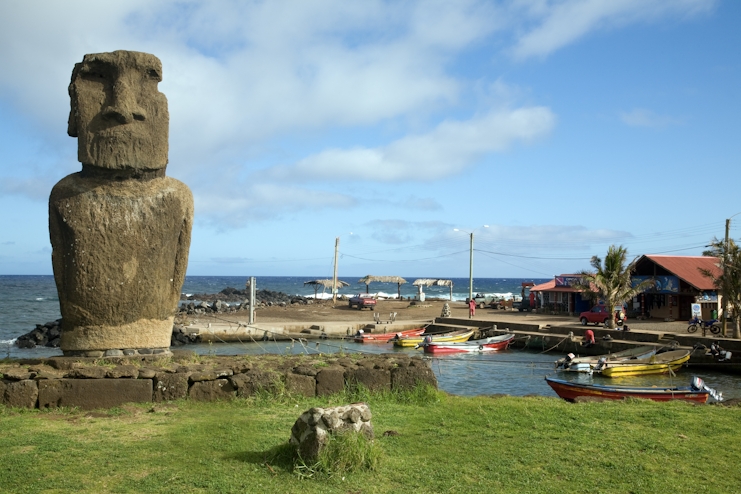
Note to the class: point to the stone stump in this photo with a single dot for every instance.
(313, 428)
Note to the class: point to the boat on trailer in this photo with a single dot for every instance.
(596, 363)
(696, 392)
(491, 344)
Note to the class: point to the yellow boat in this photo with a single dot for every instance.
(455, 336)
(656, 364)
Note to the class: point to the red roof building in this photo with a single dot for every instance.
(560, 296)
(679, 283)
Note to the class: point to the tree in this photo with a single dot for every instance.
(729, 281)
(611, 281)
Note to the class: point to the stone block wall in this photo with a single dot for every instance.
(94, 383)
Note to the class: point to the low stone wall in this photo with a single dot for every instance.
(103, 383)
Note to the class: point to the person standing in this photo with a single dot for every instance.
(471, 307)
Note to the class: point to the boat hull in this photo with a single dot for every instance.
(457, 336)
(386, 337)
(592, 363)
(485, 345)
(571, 391)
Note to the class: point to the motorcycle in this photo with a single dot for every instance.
(696, 323)
(619, 318)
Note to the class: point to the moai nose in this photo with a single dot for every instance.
(124, 107)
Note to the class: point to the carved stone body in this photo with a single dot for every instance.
(119, 229)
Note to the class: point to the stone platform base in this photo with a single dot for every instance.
(91, 383)
(126, 352)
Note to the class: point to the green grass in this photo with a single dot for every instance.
(444, 444)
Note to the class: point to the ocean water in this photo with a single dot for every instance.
(29, 300)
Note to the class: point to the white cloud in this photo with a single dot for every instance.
(559, 23)
(641, 117)
(239, 73)
(245, 77)
(508, 238)
(447, 150)
(239, 203)
(43, 40)
(398, 232)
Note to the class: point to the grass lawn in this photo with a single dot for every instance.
(444, 444)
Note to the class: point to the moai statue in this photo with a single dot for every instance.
(120, 229)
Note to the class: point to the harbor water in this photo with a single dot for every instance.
(29, 300)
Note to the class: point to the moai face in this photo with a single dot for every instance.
(118, 115)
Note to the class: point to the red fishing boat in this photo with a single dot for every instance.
(491, 344)
(363, 337)
(696, 391)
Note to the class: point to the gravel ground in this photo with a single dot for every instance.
(324, 311)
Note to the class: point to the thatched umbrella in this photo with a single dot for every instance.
(325, 284)
(435, 282)
(383, 279)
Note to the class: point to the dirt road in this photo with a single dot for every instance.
(324, 311)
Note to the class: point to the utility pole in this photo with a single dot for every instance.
(334, 278)
(470, 271)
(725, 278)
(252, 284)
(470, 261)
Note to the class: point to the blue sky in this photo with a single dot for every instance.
(565, 126)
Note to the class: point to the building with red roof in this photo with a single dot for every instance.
(679, 284)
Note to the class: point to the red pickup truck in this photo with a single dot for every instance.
(362, 300)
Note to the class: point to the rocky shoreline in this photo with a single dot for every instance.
(227, 300)
(48, 335)
(241, 297)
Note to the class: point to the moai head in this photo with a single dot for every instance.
(117, 113)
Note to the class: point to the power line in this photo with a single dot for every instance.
(535, 257)
(404, 260)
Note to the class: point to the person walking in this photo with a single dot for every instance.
(471, 308)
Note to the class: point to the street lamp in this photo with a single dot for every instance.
(725, 274)
(334, 276)
(470, 261)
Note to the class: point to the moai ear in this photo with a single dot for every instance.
(72, 120)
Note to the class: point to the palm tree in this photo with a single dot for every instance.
(610, 281)
(729, 281)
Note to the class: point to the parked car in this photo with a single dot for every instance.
(482, 300)
(362, 300)
(599, 314)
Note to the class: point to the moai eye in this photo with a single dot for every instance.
(95, 73)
